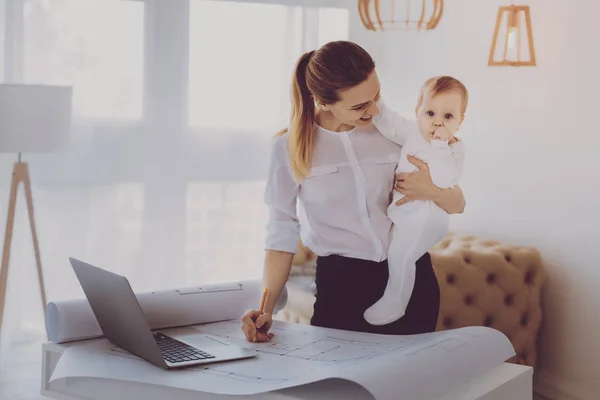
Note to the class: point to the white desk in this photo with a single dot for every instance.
(507, 381)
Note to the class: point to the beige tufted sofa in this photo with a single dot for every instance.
(482, 283)
(492, 284)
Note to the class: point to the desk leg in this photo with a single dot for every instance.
(49, 360)
(520, 388)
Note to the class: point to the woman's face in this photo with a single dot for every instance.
(356, 106)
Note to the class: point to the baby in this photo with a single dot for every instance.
(419, 224)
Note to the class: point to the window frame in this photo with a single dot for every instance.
(165, 87)
(165, 177)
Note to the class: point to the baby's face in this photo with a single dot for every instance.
(445, 110)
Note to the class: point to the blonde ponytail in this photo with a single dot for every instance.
(301, 132)
(320, 75)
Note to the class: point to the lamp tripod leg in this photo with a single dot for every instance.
(20, 174)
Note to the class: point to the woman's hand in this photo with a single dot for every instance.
(416, 185)
(419, 186)
(256, 326)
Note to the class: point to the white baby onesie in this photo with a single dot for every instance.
(417, 225)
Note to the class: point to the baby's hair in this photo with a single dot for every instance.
(442, 84)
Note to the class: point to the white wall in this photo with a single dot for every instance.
(532, 170)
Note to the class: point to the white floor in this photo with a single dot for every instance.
(20, 369)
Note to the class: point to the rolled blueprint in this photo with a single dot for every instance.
(71, 320)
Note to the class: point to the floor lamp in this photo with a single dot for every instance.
(33, 119)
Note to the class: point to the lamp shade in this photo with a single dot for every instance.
(34, 118)
(513, 36)
(400, 14)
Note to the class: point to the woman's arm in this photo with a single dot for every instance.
(278, 265)
(283, 232)
(255, 325)
(283, 227)
(419, 186)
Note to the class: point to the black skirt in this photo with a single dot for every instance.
(346, 287)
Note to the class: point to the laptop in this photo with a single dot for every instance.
(124, 324)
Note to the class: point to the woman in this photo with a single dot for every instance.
(341, 169)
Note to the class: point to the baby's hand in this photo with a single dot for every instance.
(442, 133)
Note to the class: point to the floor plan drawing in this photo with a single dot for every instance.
(296, 352)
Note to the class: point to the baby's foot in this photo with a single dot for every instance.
(386, 310)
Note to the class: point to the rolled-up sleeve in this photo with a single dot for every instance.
(283, 228)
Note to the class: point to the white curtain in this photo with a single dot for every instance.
(175, 103)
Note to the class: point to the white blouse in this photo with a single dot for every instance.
(340, 207)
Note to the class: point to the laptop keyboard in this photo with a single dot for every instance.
(175, 351)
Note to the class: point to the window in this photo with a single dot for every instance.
(241, 59)
(333, 25)
(3, 21)
(152, 194)
(240, 56)
(225, 230)
(94, 45)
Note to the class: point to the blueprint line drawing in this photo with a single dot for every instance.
(317, 351)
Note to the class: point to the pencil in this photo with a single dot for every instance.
(262, 301)
(262, 307)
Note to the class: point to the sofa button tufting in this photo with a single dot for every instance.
(450, 278)
(524, 319)
(529, 277)
(507, 258)
(491, 278)
(488, 321)
(508, 299)
(448, 322)
(469, 300)
(467, 260)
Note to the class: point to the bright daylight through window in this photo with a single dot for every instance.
(95, 45)
(242, 56)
